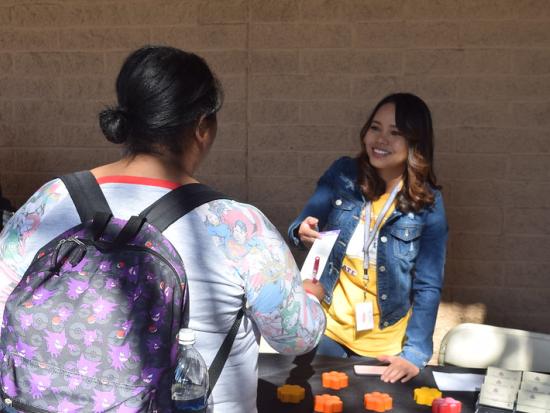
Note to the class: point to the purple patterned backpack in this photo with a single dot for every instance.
(92, 325)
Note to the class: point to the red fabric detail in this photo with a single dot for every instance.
(138, 180)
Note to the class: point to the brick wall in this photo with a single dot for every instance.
(301, 77)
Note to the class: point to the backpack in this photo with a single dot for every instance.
(92, 325)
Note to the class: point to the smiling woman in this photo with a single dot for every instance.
(381, 288)
(408, 117)
(386, 147)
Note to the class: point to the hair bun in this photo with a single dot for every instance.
(114, 124)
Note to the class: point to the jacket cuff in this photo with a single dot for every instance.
(293, 236)
(417, 358)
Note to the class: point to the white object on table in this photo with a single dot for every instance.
(321, 248)
(364, 370)
(458, 381)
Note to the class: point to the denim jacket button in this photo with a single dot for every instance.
(338, 202)
(383, 296)
(382, 268)
(386, 323)
(384, 239)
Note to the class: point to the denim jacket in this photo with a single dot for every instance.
(410, 254)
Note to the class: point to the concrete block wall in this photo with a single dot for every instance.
(301, 77)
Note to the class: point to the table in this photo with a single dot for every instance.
(276, 370)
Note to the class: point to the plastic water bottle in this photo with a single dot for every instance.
(190, 386)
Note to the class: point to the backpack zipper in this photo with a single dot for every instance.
(103, 245)
(20, 406)
(74, 255)
(106, 246)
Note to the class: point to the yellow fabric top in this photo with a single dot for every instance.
(351, 289)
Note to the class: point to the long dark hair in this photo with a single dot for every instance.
(414, 121)
(162, 93)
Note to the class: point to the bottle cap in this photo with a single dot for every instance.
(186, 336)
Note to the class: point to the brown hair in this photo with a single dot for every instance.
(414, 121)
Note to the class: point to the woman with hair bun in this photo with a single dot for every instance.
(165, 121)
(382, 283)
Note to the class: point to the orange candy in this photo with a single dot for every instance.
(335, 380)
(378, 402)
(327, 403)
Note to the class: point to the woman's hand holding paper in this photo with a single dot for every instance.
(308, 231)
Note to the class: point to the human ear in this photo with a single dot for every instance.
(205, 131)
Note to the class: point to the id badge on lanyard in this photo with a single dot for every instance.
(364, 316)
(364, 312)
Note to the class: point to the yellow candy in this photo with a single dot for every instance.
(426, 395)
(291, 393)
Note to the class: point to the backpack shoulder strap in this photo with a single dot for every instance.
(223, 353)
(167, 210)
(178, 202)
(86, 194)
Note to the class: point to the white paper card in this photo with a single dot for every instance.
(321, 248)
(496, 396)
(364, 316)
(458, 381)
(363, 370)
(502, 382)
(504, 374)
(533, 402)
(529, 376)
(535, 387)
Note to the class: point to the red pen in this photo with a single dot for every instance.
(315, 269)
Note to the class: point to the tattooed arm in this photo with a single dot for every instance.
(290, 320)
(19, 240)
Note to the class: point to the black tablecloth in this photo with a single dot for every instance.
(276, 370)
